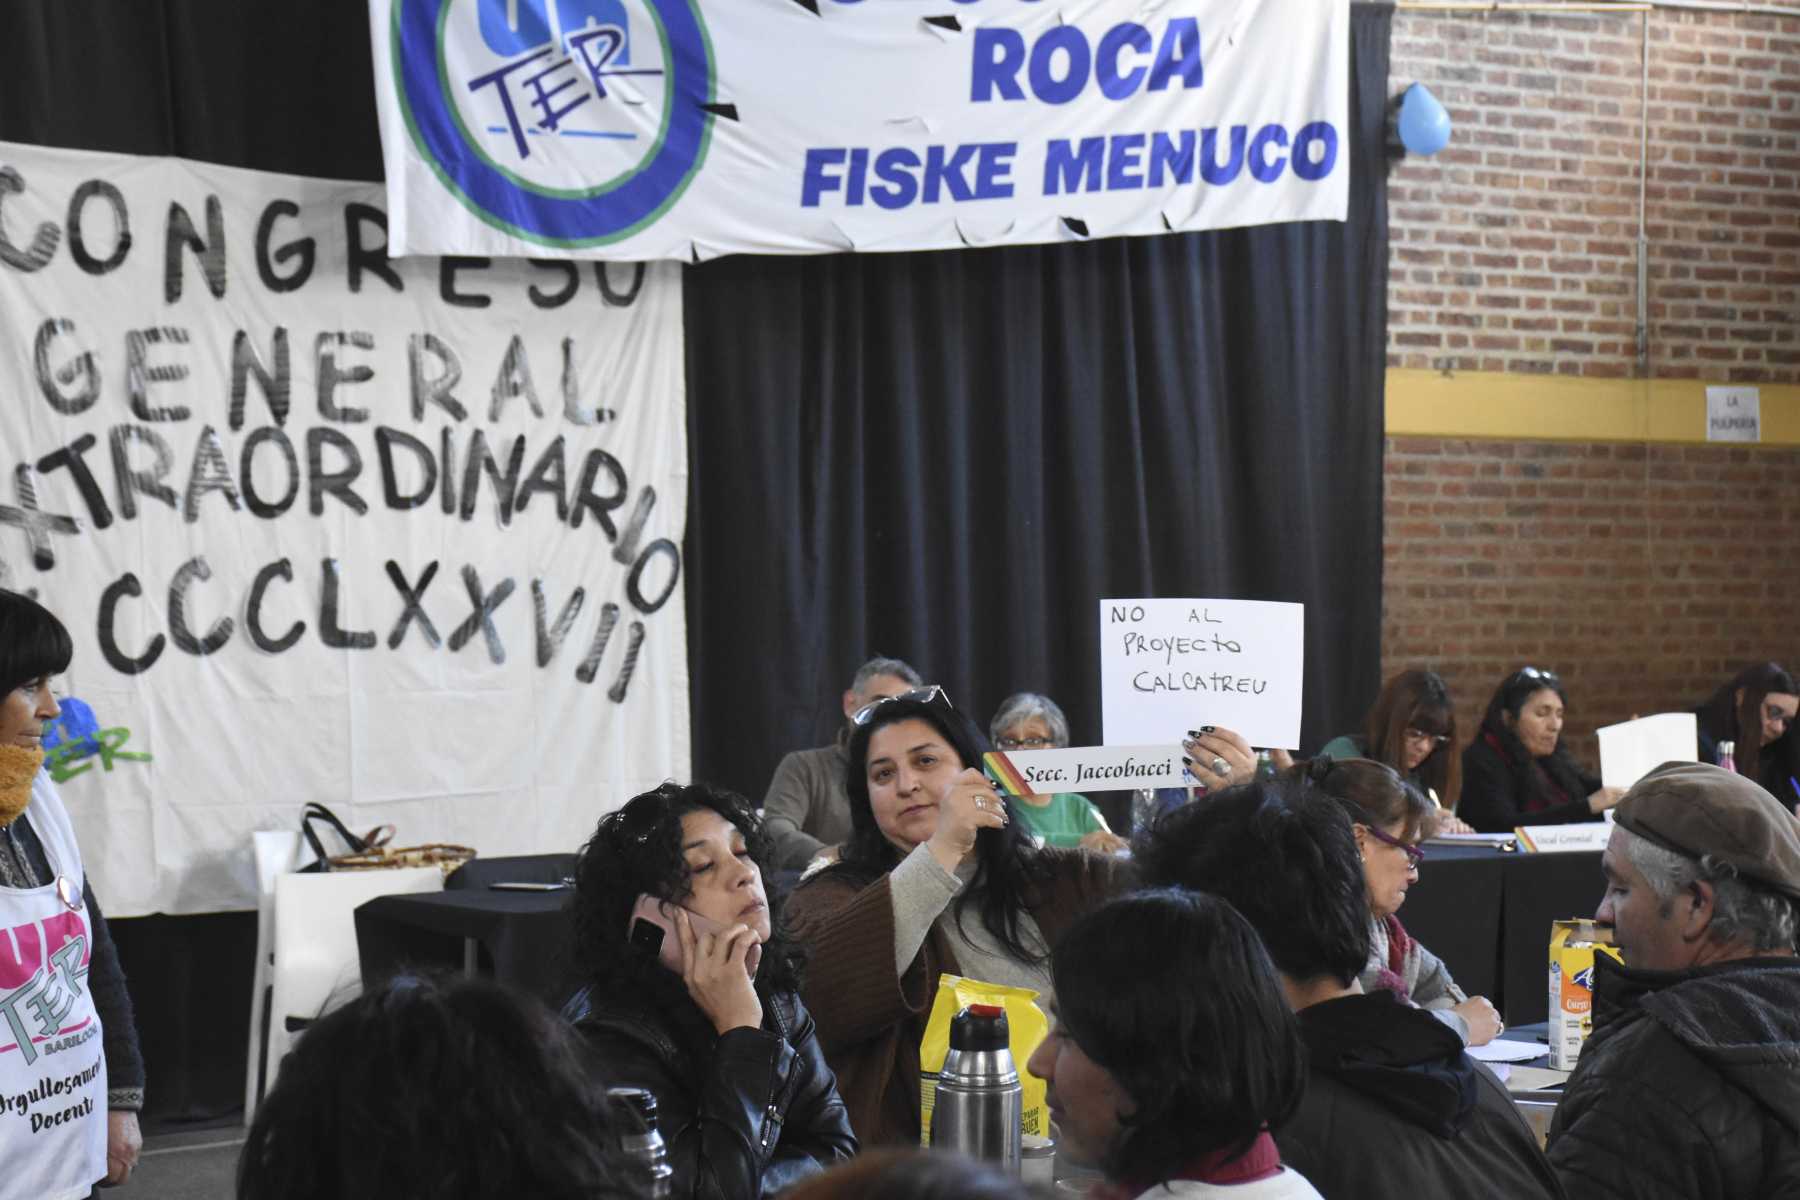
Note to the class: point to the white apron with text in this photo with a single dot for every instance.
(52, 1070)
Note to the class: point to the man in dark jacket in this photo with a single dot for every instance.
(1690, 1083)
(1393, 1107)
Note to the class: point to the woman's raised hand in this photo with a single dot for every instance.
(969, 805)
(716, 975)
(1218, 757)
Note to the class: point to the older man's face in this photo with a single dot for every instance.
(1647, 929)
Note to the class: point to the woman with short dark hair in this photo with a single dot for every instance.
(75, 1043)
(1518, 770)
(745, 1100)
(1168, 1069)
(1757, 712)
(437, 1089)
(936, 878)
(1393, 1106)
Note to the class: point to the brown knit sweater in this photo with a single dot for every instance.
(871, 1019)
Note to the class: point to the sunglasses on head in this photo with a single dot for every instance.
(932, 697)
(1535, 673)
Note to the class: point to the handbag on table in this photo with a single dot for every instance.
(372, 851)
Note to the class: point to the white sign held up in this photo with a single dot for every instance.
(1168, 666)
(1632, 749)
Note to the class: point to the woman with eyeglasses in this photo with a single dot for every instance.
(745, 1101)
(1391, 817)
(1517, 771)
(1756, 712)
(937, 877)
(1028, 721)
(1412, 728)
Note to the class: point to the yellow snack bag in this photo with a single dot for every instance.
(1025, 1025)
(1573, 946)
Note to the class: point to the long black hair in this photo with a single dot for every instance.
(1172, 993)
(1559, 766)
(1007, 864)
(1725, 718)
(636, 850)
(33, 643)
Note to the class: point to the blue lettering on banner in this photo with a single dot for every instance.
(1060, 63)
(899, 177)
(970, 171)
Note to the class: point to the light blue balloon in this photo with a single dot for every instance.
(1424, 125)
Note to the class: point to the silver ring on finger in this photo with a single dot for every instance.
(1220, 767)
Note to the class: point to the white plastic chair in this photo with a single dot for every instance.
(315, 962)
(275, 852)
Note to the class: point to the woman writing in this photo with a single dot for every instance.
(1411, 728)
(1390, 818)
(74, 1043)
(746, 1102)
(936, 877)
(1756, 713)
(1517, 771)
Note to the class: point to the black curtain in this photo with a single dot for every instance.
(952, 457)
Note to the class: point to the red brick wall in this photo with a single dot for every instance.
(1643, 575)
(1514, 249)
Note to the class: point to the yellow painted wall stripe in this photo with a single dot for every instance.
(1515, 407)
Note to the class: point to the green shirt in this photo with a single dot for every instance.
(1064, 821)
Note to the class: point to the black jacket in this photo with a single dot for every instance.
(1496, 790)
(1689, 1085)
(744, 1114)
(1393, 1107)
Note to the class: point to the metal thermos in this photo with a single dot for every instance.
(645, 1148)
(979, 1107)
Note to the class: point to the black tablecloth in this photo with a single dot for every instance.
(1487, 914)
(523, 937)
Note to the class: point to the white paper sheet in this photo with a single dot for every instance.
(1633, 749)
(1503, 1050)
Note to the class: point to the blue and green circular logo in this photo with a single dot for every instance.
(562, 122)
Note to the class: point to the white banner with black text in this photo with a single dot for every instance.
(400, 536)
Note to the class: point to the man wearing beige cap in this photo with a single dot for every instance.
(1690, 1083)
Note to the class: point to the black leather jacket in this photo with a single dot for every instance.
(1689, 1085)
(745, 1114)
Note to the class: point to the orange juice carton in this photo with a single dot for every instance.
(1573, 946)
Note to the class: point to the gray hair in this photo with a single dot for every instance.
(1742, 912)
(884, 666)
(1020, 707)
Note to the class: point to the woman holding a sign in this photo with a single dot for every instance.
(73, 1065)
(1517, 771)
(937, 878)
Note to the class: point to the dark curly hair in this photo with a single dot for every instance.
(437, 1087)
(1201, 1039)
(636, 850)
(1007, 862)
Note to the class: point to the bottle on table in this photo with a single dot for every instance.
(1728, 755)
(645, 1148)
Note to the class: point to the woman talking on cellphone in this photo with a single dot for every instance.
(692, 992)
